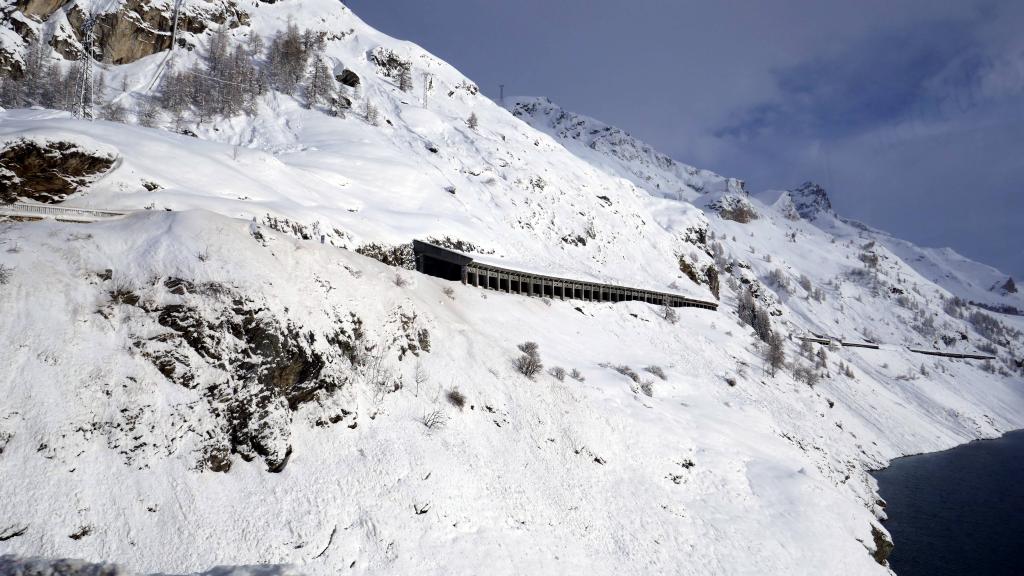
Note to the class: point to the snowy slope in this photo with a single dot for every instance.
(529, 477)
(798, 233)
(243, 396)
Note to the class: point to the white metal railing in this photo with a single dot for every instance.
(57, 212)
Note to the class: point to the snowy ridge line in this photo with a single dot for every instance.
(25, 210)
(874, 346)
(448, 264)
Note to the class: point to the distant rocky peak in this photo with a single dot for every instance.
(810, 200)
(1008, 287)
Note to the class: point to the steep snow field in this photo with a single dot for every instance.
(528, 477)
(204, 383)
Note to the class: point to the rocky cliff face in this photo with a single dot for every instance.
(124, 33)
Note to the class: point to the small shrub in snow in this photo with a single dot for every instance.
(456, 398)
(149, 114)
(473, 122)
(400, 281)
(435, 419)
(647, 387)
(576, 375)
(376, 372)
(628, 372)
(657, 371)
(449, 292)
(529, 364)
(530, 348)
(806, 374)
(5, 274)
(122, 291)
(558, 373)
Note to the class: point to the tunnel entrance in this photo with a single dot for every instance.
(454, 266)
(442, 269)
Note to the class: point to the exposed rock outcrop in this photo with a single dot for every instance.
(254, 368)
(139, 28)
(48, 171)
(810, 200)
(348, 78)
(734, 207)
(883, 546)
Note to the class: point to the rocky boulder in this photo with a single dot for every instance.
(735, 207)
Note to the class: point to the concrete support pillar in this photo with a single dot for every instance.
(475, 278)
(465, 274)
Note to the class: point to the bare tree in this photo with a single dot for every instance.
(114, 111)
(776, 352)
(287, 57)
(405, 78)
(371, 114)
(420, 376)
(472, 121)
(320, 87)
(529, 364)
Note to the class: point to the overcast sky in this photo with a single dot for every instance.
(911, 112)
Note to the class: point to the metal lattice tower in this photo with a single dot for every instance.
(84, 90)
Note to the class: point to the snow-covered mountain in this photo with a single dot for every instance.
(244, 371)
(608, 146)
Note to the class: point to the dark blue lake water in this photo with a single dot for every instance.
(958, 512)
